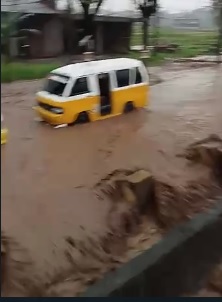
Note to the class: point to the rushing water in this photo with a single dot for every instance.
(48, 174)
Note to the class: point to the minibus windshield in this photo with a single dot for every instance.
(55, 84)
(54, 87)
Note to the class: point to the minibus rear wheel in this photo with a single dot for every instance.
(82, 118)
(128, 107)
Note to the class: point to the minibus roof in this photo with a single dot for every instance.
(95, 67)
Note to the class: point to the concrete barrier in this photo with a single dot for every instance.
(178, 264)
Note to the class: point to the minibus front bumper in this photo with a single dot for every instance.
(4, 136)
(48, 116)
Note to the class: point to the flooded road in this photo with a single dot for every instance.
(48, 175)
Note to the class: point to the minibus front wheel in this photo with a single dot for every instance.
(82, 118)
(128, 107)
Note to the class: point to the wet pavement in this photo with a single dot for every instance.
(48, 175)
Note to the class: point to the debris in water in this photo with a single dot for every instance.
(38, 119)
(61, 126)
(134, 188)
(208, 152)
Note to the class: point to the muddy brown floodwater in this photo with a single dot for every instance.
(49, 175)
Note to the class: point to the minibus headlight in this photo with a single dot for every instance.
(57, 110)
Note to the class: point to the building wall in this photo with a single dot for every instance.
(53, 42)
(113, 37)
(35, 43)
(49, 42)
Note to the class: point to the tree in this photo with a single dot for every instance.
(89, 14)
(147, 8)
(9, 28)
(90, 9)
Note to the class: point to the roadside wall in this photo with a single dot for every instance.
(177, 265)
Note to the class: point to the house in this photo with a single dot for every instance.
(114, 25)
(43, 31)
(39, 28)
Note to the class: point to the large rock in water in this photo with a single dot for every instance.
(208, 152)
(137, 189)
(141, 184)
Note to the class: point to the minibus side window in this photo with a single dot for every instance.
(80, 87)
(138, 76)
(122, 77)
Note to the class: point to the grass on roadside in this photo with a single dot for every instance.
(25, 71)
(178, 36)
(153, 61)
(190, 43)
(15, 71)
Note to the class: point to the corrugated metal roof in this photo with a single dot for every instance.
(109, 8)
(119, 8)
(123, 14)
(25, 6)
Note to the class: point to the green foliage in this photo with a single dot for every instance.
(9, 25)
(8, 28)
(25, 71)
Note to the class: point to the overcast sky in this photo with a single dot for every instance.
(181, 5)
